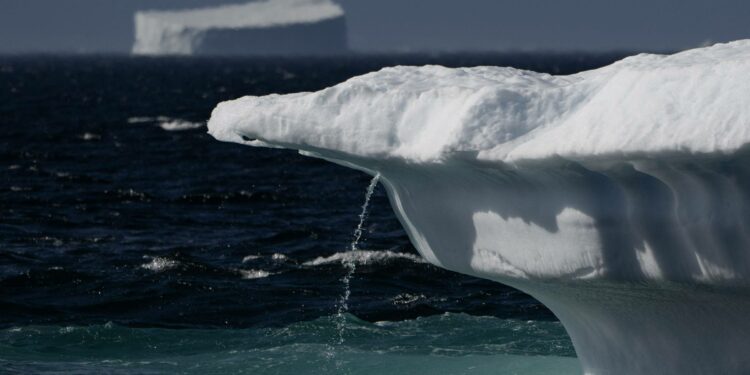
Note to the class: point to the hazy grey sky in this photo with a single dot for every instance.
(412, 25)
(545, 24)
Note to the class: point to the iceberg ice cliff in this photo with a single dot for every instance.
(619, 197)
(256, 28)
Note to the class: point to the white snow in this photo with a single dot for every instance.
(619, 197)
(695, 101)
(179, 32)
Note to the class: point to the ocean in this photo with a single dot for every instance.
(131, 242)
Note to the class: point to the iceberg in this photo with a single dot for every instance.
(618, 197)
(264, 27)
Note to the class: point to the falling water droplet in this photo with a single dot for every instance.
(349, 263)
(351, 267)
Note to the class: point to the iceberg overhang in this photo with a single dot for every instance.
(618, 197)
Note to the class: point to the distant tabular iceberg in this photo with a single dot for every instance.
(619, 197)
(265, 27)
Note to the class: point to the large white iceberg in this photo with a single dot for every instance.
(619, 197)
(256, 28)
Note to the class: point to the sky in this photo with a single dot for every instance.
(101, 26)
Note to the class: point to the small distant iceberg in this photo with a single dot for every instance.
(619, 197)
(263, 27)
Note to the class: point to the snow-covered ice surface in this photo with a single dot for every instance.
(642, 104)
(182, 32)
(619, 197)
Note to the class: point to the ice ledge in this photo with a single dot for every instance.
(691, 102)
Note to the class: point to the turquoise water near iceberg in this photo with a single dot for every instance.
(441, 344)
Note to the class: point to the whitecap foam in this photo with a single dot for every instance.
(144, 119)
(407, 298)
(254, 274)
(363, 257)
(250, 258)
(167, 123)
(176, 125)
(276, 257)
(160, 264)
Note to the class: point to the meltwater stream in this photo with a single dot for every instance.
(351, 266)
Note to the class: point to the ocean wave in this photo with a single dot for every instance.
(144, 119)
(250, 258)
(279, 257)
(175, 125)
(276, 257)
(160, 264)
(167, 123)
(407, 299)
(254, 274)
(364, 257)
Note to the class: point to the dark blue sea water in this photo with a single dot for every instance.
(129, 248)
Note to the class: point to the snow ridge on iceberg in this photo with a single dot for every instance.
(642, 104)
(619, 197)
